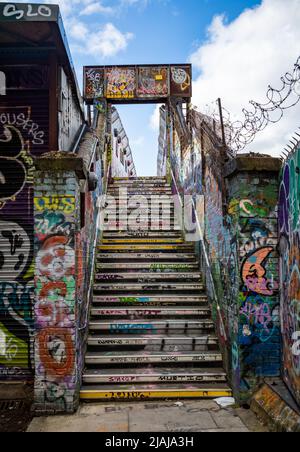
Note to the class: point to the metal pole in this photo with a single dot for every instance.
(222, 122)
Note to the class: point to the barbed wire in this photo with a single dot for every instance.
(239, 134)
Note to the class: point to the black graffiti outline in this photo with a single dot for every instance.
(13, 171)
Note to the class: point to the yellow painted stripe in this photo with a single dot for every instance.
(145, 240)
(155, 394)
(140, 247)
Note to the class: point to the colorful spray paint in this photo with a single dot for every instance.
(289, 224)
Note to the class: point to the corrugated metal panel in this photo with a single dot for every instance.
(24, 127)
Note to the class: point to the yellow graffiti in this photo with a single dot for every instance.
(62, 203)
(154, 394)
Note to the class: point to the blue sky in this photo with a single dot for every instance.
(162, 32)
(238, 48)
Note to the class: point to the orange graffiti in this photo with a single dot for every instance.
(51, 286)
(56, 350)
(253, 271)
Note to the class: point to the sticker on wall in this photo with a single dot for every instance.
(181, 81)
(153, 82)
(94, 82)
(120, 83)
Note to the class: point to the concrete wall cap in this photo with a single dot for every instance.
(252, 162)
(60, 161)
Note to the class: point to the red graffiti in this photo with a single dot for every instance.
(56, 350)
(53, 286)
(56, 259)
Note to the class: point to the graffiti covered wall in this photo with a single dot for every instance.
(241, 236)
(23, 136)
(255, 337)
(289, 224)
(57, 266)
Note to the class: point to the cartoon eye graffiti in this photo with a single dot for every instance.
(12, 172)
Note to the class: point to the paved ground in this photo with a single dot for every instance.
(190, 416)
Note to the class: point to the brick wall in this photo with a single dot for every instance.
(56, 202)
(253, 311)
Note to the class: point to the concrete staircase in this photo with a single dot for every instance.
(150, 334)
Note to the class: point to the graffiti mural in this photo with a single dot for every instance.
(153, 82)
(289, 224)
(181, 81)
(21, 139)
(259, 311)
(94, 83)
(121, 83)
(140, 83)
(55, 302)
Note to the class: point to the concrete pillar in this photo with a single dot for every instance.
(57, 219)
(253, 313)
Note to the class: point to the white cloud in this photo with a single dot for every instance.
(155, 118)
(240, 59)
(96, 7)
(107, 41)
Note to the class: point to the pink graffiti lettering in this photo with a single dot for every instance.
(259, 315)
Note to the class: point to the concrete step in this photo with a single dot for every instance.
(158, 343)
(144, 247)
(123, 192)
(134, 216)
(130, 195)
(145, 312)
(126, 226)
(140, 179)
(142, 393)
(146, 287)
(146, 184)
(157, 257)
(142, 234)
(136, 205)
(152, 358)
(134, 187)
(151, 326)
(167, 267)
(151, 300)
(154, 375)
(144, 240)
(146, 277)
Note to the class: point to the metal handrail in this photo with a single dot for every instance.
(79, 138)
(93, 254)
(203, 249)
(179, 196)
(208, 266)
